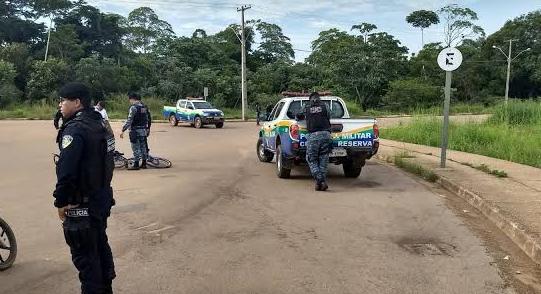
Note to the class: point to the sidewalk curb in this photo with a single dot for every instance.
(525, 241)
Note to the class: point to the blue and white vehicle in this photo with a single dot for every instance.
(196, 112)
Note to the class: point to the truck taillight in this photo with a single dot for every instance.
(294, 131)
(376, 131)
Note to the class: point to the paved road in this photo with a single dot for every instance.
(219, 221)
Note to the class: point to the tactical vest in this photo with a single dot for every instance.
(97, 162)
(140, 118)
(317, 117)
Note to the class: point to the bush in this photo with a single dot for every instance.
(411, 93)
(46, 78)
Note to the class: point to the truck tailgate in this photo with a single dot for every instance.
(348, 133)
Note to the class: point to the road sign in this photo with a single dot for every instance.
(206, 92)
(449, 59)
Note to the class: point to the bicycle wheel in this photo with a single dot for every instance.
(8, 246)
(158, 162)
(120, 161)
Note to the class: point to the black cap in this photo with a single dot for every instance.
(133, 95)
(75, 90)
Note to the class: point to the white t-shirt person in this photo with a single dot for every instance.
(99, 108)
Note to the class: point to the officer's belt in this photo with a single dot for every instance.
(77, 212)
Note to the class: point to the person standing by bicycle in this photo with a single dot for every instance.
(83, 193)
(139, 122)
(100, 107)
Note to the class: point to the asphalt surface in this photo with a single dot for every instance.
(220, 221)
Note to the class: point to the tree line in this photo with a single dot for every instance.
(140, 52)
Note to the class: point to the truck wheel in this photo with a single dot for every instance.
(173, 120)
(197, 123)
(352, 168)
(281, 164)
(263, 154)
(219, 125)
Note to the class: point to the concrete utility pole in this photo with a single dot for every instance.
(243, 65)
(509, 59)
(48, 38)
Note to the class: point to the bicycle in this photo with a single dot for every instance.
(152, 161)
(8, 246)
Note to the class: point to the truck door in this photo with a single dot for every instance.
(270, 127)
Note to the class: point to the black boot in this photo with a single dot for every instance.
(318, 186)
(144, 164)
(135, 166)
(324, 186)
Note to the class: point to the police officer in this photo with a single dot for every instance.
(83, 193)
(319, 142)
(139, 122)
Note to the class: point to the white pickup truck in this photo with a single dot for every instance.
(354, 140)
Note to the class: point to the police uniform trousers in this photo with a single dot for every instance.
(318, 147)
(91, 253)
(138, 140)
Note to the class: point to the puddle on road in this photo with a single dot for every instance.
(427, 247)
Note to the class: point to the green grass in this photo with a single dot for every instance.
(457, 108)
(485, 168)
(401, 161)
(518, 141)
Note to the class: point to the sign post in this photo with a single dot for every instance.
(206, 92)
(449, 60)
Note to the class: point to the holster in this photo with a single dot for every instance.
(77, 231)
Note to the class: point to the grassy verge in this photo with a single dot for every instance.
(401, 160)
(512, 133)
(117, 108)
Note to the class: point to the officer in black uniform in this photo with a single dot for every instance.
(83, 193)
(319, 141)
(139, 122)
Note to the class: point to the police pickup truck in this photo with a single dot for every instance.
(282, 135)
(195, 111)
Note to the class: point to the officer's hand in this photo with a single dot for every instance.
(122, 135)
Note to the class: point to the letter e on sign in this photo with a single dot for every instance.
(449, 59)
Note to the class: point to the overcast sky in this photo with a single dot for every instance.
(302, 20)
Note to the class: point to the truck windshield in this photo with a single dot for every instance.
(336, 108)
(202, 105)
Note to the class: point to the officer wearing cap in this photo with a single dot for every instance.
(139, 122)
(319, 141)
(83, 193)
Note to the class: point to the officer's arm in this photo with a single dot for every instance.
(57, 118)
(127, 125)
(67, 170)
(149, 118)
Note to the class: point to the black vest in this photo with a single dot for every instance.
(317, 117)
(140, 118)
(97, 162)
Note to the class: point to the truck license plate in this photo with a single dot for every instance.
(338, 152)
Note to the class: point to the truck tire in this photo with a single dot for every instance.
(219, 125)
(263, 154)
(352, 168)
(197, 122)
(173, 121)
(281, 164)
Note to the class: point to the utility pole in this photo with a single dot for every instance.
(48, 37)
(509, 59)
(243, 62)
